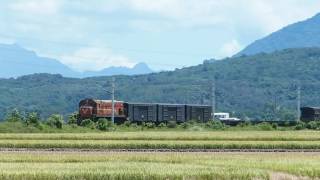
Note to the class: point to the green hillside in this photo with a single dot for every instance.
(298, 35)
(258, 86)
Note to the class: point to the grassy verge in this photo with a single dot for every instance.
(156, 165)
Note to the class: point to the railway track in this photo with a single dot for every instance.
(153, 150)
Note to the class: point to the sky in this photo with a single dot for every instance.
(165, 34)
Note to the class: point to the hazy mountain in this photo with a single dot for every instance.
(140, 68)
(298, 35)
(16, 61)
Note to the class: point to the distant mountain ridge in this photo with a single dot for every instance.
(298, 35)
(16, 61)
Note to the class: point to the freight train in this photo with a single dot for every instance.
(143, 112)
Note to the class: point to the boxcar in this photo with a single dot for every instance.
(310, 114)
(138, 112)
(171, 112)
(199, 113)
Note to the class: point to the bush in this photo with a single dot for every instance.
(102, 124)
(87, 123)
(162, 125)
(14, 116)
(216, 125)
(313, 125)
(265, 126)
(73, 118)
(55, 120)
(150, 125)
(134, 125)
(184, 125)
(33, 119)
(300, 125)
(274, 125)
(127, 123)
(171, 124)
(245, 124)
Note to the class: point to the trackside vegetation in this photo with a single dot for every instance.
(16, 122)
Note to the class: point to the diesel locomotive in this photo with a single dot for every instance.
(143, 112)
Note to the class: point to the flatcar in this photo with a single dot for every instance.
(143, 112)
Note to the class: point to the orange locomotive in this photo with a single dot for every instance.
(90, 108)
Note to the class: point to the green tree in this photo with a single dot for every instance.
(14, 116)
(55, 120)
(33, 119)
(73, 118)
(102, 124)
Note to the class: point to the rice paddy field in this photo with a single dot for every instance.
(129, 165)
(96, 156)
(290, 140)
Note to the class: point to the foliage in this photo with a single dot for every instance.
(88, 123)
(300, 126)
(171, 124)
(73, 118)
(150, 125)
(102, 124)
(247, 85)
(33, 119)
(216, 125)
(55, 120)
(14, 116)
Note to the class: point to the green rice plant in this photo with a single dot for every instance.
(99, 165)
(181, 136)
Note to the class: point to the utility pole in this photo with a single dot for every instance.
(298, 101)
(213, 97)
(113, 89)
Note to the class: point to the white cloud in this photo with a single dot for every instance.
(230, 48)
(39, 7)
(94, 58)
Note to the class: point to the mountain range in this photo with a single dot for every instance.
(261, 82)
(298, 35)
(16, 61)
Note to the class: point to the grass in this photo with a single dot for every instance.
(42, 165)
(171, 135)
(166, 140)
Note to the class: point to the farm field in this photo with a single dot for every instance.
(133, 165)
(291, 140)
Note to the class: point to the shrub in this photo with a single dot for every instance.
(150, 125)
(162, 125)
(33, 119)
(265, 126)
(245, 124)
(87, 123)
(73, 118)
(102, 124)
(55, 120)
(312, 125)
(184, 125)
(216, 125)
(14, 116)
(171, 124)
(274, 125)
(300, 125)
(127, 123)
(134, 125)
